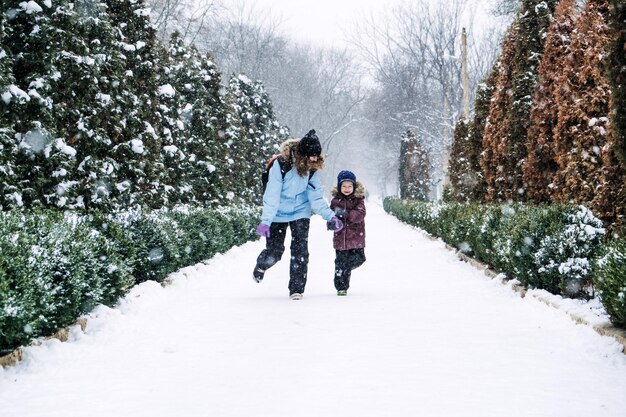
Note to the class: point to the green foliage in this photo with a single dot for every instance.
(53, 268)
(616, 72)
(549, 247)
(57, 266)
(611, 282)
(101, 116)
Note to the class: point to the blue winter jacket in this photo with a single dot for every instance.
(294, 198)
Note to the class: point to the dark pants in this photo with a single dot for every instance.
(345, 262)
(275, 246)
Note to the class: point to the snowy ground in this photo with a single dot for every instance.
(419, 334)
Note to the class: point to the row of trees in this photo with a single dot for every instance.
(402, 72)
(548, 122)
(97, 113)
(310, 86)
(414, 54)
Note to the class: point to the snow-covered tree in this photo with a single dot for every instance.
(506, 130)
(610, 200)
(466, 177)
(195, 156)
(207, 123)
(583, 108)
(458, 166)
(414, 168)
(252, 136)
(540, 165)
(90, 71)
(137, 145)
(173, 132)
(42, 38)
(617, 76)
(8, 147)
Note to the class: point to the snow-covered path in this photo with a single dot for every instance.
(419, 334)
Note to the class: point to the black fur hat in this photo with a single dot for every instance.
(310, 145)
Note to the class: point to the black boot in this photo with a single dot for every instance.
(257, 274)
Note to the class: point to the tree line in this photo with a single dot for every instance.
(97, 113)
(548, 123)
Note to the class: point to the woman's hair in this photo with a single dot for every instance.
(303, 165)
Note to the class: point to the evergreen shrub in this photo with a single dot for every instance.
(55, 266)
(552, 247)
(611, 282)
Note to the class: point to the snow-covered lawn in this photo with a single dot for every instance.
(419, 334)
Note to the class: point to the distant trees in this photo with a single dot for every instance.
(310, 87)
(414, 168)
(186, 17)
(414, 54)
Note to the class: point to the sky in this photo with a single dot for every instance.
(323, 22)
(328, 22)
(419, 334)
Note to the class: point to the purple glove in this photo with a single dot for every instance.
(263, 230)
(335, 224)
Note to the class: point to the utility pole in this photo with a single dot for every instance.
(465, 85)
(465, 75)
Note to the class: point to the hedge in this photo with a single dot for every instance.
(559, 248)
(611, 282)
(56, 266)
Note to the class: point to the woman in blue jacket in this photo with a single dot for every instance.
(288, 201)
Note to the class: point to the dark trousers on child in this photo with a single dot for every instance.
(345, 262)
(275, 247)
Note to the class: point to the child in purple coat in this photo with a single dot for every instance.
(348, 203)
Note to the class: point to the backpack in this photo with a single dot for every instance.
(284, 168)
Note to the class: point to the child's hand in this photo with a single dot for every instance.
(335, 224)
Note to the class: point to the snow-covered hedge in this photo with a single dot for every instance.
(611, 282)
(57, 266)
(551, 247)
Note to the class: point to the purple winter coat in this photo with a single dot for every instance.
(352, 236)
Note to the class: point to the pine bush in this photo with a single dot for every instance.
(56, 266)
(611, 282)
(552, 247)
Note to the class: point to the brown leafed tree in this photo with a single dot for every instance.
(458, 168)
(581, 135)
(540, 166)
(610, 200)
(617, 76)
(491, 163)
(476, 133)
(509, 114)
(466, 176)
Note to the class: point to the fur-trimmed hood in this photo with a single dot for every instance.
(359, 191)
(289, 152)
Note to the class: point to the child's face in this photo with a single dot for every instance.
(347, 188)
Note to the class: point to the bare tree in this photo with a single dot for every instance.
(414, 52)
(310, 87)
(505, 7)
(187, 17)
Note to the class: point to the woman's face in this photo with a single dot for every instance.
(312, 162)
(347, 188)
